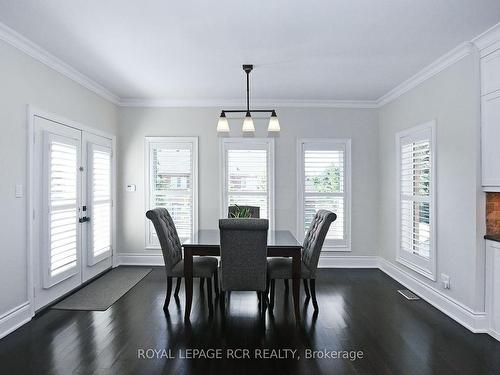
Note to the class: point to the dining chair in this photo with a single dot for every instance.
(254, 211)
(203, 267)
(243, 257)
(281, 268)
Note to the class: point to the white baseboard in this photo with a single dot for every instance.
(15, 318)
(326, 261)
(474, 321)
(140, 259)
(348, 261)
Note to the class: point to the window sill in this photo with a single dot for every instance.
(422, 271)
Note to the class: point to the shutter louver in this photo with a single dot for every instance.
(100, 202)
(324, 187)
(63, 207)
(247, 179)
(415, 196)
(172, 184)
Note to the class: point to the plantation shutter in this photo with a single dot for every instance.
(324, 186)
(415, 188)
(171, 184)
(100, 202)
(62, 164)
(247, 179)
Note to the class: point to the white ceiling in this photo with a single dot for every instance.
(302, 50)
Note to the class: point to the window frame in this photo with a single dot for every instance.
(269, 146)
(153, 140)
(345, 245)
(415, 262)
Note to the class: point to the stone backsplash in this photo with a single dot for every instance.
(493, 214)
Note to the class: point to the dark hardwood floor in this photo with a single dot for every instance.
(360, 310)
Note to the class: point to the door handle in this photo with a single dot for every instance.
(84, 219)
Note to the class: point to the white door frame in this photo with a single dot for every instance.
(32, 189)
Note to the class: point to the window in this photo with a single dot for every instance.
(61, 193)
(248, 175)
(416, 160)
(324, 183)
(171, 182)
(100, 202)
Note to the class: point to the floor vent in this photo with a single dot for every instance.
(408, 295)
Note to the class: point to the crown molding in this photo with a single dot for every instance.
(23, 44)
(233, 103)
(429, 71)
(488, 38)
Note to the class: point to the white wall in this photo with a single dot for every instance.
(24, 81)
(451, 98)
(358, 124)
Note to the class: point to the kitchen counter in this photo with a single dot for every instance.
(492, 237)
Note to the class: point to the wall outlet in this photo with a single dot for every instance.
(445, 279)
(131, 188)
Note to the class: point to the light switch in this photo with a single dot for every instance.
(19, 191)
(131, 188)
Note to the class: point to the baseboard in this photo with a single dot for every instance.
(326, 261)
(15, 318)
(348, 261)
(140, 259)
(474, 321)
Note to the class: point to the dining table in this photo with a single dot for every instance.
(280, 243)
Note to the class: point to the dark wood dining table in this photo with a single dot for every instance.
(280, 243)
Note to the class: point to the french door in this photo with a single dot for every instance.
(73, 208)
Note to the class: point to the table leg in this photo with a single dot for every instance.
(296, 283)
(188, 281)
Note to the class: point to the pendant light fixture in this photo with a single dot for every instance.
(248, 126)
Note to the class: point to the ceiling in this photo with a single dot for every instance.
(192, 50)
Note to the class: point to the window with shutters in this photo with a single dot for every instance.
(247, 167)
(100, 202)
(324, 183)
(62, 196)
(172, 165)
(416, 160)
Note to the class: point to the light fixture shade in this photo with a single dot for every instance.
(248, 124)
(274, 124)
(222, 125)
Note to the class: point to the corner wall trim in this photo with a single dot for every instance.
(476, 322)
(429, 71)
(139, 102)
(15, 318)
(25, 45)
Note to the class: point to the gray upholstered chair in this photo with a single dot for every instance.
(254, 211)
(281, 268)
(203, 267)
(243, 256)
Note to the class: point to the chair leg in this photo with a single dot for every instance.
(177, 287)
(263, 302)
(216, 283)
(209, 296)
(169, 292)
(285, 281)
(306, 289)
(271, 296)
(202, 282)
(222, 300)
(313, 294)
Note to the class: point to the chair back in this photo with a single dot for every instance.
(167, 234)
(243, 252)
(254, 211)
(315, 237)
